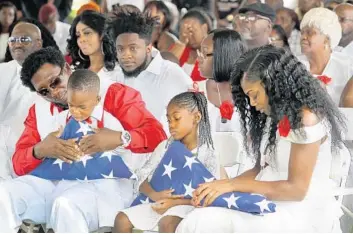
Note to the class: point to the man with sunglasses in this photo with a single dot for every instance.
(28, 197)
(15, 99)
(254, 22)
(345, 15)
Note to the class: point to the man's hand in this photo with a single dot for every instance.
(103, 140)
(53, 147)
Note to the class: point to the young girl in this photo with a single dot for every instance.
(188, 123)
(288, 110)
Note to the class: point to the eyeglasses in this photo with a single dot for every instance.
(203, 56)
(24, 40)
(251, 18)
(53, 84)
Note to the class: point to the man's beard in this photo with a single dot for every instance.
(137, 70)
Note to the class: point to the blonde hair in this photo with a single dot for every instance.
(326, 22)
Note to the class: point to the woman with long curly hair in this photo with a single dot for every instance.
(292, 128)
(90, 45)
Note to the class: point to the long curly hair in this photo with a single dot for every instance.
(290, 88)
(97, 22)
(47, 37)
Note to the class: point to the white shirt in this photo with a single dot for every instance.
(62, 33)
(158, 84)
(348, 50)
(339, 69)
(3, 45)
(15, 101)
(15, 98)
(232, 125)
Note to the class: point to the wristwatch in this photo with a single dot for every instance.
(125, 138)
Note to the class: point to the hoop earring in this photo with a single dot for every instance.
(79, 54)
(102, 49)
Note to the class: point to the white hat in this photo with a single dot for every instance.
(326, 21)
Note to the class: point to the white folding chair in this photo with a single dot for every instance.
(345, 161)
(230, 148)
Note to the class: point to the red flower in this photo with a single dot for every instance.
(325, 79)
(227, 110)
(284, 127)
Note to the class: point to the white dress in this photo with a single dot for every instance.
(340, 69)
(318, 212)
(142, 216)
(233, 125)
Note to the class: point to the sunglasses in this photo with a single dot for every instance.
(53, 84)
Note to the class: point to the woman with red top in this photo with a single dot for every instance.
(194, 26)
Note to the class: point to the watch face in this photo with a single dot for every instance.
(127, 137)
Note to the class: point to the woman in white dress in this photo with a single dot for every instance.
(216, 57)
(91, 47)
(320, 34)
(188, 123)
(290, 111)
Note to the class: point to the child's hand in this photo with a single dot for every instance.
(156, 196)
(163, 205)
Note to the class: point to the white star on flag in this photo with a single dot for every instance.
(60, 163)
(232, 201)
(84, 129)
(263, 205)
(108, 154)
(168, 169)
(189, 161)
(110, 176)
(147, 201)
(208, 180)
(85, 158)
(133, 177)
(188, 189)
(82, 180)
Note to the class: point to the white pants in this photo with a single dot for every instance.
(7, 146)
(65, 206)
(215, 219)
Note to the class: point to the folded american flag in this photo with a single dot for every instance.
(105, 165)
(180, 170)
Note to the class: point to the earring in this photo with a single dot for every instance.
(102, 49)
(326, 47)
(79, 54)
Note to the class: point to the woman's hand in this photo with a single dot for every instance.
(210, 191)
(163, 205)
(165, 194)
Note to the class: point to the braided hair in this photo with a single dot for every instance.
(290, 88)
(196, 101)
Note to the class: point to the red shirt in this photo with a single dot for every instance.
(122, 102)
